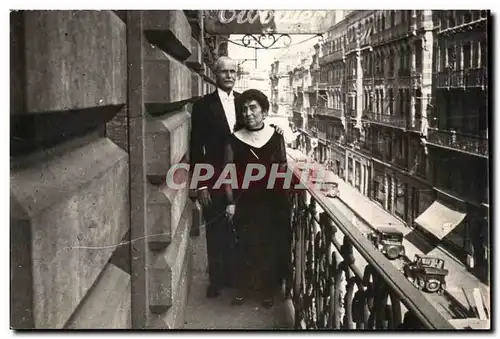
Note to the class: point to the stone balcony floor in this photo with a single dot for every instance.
(218, 313)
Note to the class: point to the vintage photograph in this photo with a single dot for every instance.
(250, 170)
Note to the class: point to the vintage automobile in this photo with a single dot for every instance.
(426, 273)
(389, 241)
(328, 185)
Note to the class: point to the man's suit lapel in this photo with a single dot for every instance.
(218, 111)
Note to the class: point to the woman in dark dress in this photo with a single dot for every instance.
(260, 215)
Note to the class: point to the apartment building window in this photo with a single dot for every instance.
(357, 179)
(451, 57)
(484, 53)
(467, 56)
(391, 101)
(475, 54)
(382, 62)
(467, 16)
(418, 56)
(349, 171)
(391, 63)
(451, 19)
(400, 199)
(393, 18)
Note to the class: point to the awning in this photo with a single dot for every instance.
(439, 219)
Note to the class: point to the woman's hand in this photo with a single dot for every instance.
(230, 210)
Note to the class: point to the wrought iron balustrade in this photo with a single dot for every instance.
(477, 77)
(335, 112)
(457, 78)
(368, 82)
(322, 86)
(461, 142)
(339, 280)
(442, 80)
(392, 120)
(400, 162)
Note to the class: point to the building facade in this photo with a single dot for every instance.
(281, 94)
(457, 138)
(397, 107)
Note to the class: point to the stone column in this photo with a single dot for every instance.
(363, 174)
(354, 172)
(393, 195)
(346, 167)
(386, 196)
(426, 78)
(359, 90)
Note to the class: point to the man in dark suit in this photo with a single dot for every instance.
(213, 120)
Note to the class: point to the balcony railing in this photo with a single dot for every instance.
(477, 77)
(460, 142)
(390, 120)
(335, 112)
(368, 82)
(399, 162)
(416, 80)
(457, 79)
(322, 86)
(339, 280)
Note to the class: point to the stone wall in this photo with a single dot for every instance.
(69, 184)
(100, 111)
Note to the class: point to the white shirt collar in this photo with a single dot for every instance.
(223, 95)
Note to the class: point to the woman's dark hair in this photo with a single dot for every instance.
(249, 95)
(254, 94)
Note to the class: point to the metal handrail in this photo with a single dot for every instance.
(413, 299)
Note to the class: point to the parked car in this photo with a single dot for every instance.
(328, 185)
(427, 273)
(389, 241)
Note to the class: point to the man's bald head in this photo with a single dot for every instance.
(225, 73)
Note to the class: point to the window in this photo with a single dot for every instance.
(393, 18)
(467, 16)
(475, 54)
(391, 63)
(391, 100)
(484, 55)
(418, 55)
(451, 57)
(467, 56)
(451, 19)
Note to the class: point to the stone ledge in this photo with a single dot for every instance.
(167, 141)
(164, 207)
(166, 81)
(196, 85)
(78, 198)
(195, 61)
(74, 60)
(165, 268)
(176, 314)
(101, 308)
(169, 30)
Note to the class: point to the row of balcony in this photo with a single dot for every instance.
(476, 77)
(467, 143)
(329, 111)
(385, 119)
(339, 280)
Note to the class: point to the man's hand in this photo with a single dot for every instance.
(230, 210)
(277, 128)
(204, 197)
